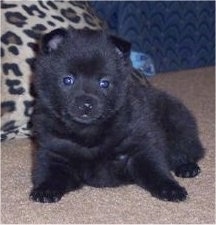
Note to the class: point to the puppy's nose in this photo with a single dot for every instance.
(85, 104)
(88, 105)
(86, 108)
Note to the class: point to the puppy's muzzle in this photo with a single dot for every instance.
(85, 108)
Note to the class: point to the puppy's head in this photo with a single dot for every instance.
(81, 75)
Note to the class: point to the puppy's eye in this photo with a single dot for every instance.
(104, 83)
(68, 80)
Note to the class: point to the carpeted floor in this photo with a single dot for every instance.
(129, 204)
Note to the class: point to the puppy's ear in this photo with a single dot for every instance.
(123, 47)
(50, 41)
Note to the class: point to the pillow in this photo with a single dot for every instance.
(23, 23)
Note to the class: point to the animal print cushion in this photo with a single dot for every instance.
(23, 23)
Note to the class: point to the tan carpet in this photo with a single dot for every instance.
(129, 204)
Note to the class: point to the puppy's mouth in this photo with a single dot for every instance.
(84, 119)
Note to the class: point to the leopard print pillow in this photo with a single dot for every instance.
(23, 23)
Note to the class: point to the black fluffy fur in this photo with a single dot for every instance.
(127, 133)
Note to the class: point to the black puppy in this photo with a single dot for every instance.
(97, 125)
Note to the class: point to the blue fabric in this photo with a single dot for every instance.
(143, 63)
(175, 34)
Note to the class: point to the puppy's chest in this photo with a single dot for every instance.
(103, 138)
(121, 158)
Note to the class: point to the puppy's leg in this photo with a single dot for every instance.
(110, 173)
(185, 148)
(153, 174)
(181, 158)
(52, 177)
(187, 170)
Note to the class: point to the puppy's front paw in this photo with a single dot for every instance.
(45, 195)
(171, 192)
(187, 170)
